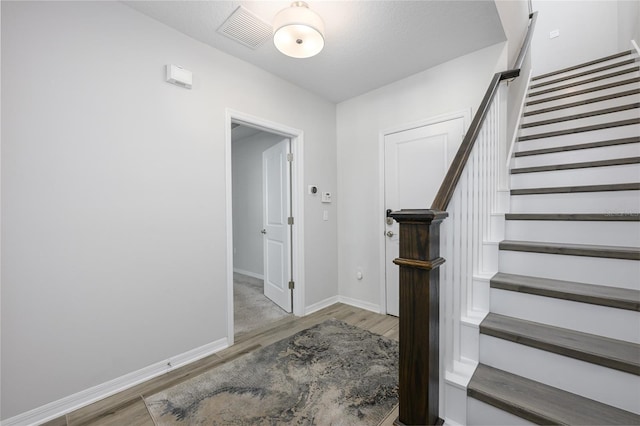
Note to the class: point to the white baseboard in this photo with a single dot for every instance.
(360, 304)
(342, 299)
(248, 273)
(321, 305)
(89, 396)
(449, 422)
(635, 46)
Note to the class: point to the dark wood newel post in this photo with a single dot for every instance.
(419, 263)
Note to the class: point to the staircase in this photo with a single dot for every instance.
(561, 343)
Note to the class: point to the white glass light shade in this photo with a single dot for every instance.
(298, 31)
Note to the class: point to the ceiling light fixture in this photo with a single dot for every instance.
(298, 31)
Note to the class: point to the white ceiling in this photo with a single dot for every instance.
(368, 44)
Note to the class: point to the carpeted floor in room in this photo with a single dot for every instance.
(251, 308)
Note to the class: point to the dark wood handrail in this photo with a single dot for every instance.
(443, 197)
(526, 43)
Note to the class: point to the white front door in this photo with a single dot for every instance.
(276, 230)
(415, 163)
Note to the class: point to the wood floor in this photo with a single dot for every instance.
(128, 408)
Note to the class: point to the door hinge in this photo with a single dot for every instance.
(289, 157)
(290, 220)
(292, 285)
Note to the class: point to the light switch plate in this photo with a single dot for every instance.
(326, 197)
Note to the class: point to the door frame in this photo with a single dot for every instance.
(297, 201)
(465, 114)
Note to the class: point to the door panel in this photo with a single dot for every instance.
(275, 196)
(415, 164)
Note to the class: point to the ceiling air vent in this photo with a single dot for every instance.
(246, 28)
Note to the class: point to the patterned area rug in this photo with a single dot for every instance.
(330, 374)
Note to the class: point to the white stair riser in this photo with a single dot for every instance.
(626, 173)
(497, 222)
(611, 202)
(580, 138)
(582, 122)
(580, 155)
(581, 78)
(625, 234)
(587, 68)
(603, 384)
(588, 270)
(534, 94)
(480, 413)
(581, 109)
(576, 98)
(614, 323)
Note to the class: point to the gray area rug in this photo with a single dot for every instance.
(330, 374)
(251, 308)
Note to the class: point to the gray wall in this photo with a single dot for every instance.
(453, 86)
(247, 201)
(588, 30)
(628, 23)
(113, 189)
(514, 16)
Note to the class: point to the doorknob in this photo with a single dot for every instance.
(389, 219)
(264, 231)
(390, 234)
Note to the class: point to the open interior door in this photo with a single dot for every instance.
(276, 228)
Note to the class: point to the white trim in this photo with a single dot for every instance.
(449, 422)
(89, 396)
(514, 137)
(359, 304)
(321, 304)
(465, 114)
(297, 176)
(342, 299)
(248, 273)
(635, 46)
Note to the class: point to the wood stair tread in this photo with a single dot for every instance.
(582, 65)
(583, 165)
(613, 297)
(540, 403)
(577, 189)
(587, 250)
(585, 81)
(594, 217)
(583, 73)
(584, 102)
(588, 114)
(564, 148)
(611, 353)
(593, 127)
(584, 91)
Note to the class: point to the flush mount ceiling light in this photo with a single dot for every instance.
(298, 31)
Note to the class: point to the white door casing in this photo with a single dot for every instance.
(296, 136)
(415, 163)
(275, 211)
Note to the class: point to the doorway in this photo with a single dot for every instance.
(261, 238)
(264, 222)
(416, 159)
